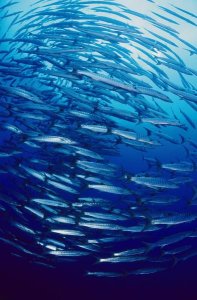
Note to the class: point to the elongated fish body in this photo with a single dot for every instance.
(160, 122)
(101, 226)
(108, 81)
(50, 202)
(131, 252)
(147, 271)
(64, 253)
(179, 167)
(174, 238)
(104, 274)
(174, 220)
(109, 189)
(53, 139)
(68, 232)
(122, 259)
(154, 182)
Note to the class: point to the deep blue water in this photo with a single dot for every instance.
(21, 278)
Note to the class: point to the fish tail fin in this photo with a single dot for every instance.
(118, 140)
(19, 50)
(186, 150)
(97, 260)
(24, 137)
(139, 119)
(127, 176)
(148, 245)
(175, 261)
(157, 61)
(182, 139)
(158, 163)
(148, 131)
(162, 252)
(148, 222)
(194, 189)
(138, 201)
(191, 52)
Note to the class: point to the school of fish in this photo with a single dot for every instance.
(98, 120)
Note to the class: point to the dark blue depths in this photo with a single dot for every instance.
(98, 139)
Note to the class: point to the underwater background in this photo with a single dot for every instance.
(98, 147)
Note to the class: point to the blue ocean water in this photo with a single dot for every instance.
(132, 139)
